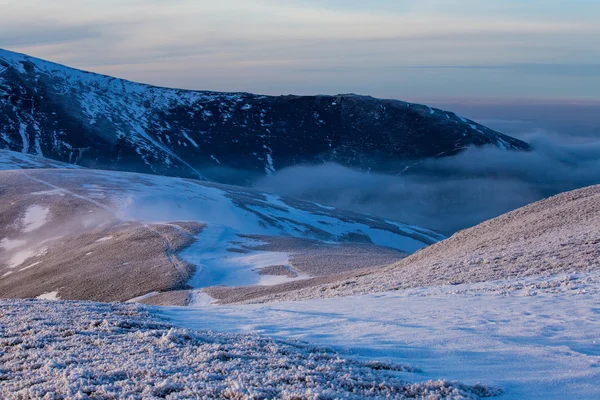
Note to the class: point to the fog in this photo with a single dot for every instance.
(452, 193)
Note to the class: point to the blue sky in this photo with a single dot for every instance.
(414, 50)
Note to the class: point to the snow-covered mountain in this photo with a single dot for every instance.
(98, 121)
(115, 236)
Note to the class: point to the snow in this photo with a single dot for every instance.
(48, 296)
(538, 346)
(192, 141)
(24, 138)
(140, 298)
(269, 168)
(35, 217)
(81, 350)
(216, 264)
(10, 160)
(200, 298)
(30, 266)
(228, 213)
(503, 144)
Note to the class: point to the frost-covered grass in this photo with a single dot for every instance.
(536, 338)
(60, 350)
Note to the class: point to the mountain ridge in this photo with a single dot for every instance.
(98, 121)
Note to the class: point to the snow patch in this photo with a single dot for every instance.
(48, 296)
(20, 257)
(143, 297)
(192, 141)
(35, 217)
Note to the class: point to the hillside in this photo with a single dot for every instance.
(556, 236)
(103, 122)
(114, 236)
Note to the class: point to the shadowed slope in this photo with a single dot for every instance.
(103, 122)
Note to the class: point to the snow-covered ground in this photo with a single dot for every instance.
(14, 160)
(536, 338)
(78, 350)
(44, 211)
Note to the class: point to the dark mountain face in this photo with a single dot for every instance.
(103, 122)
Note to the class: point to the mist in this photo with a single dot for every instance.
(452, 193)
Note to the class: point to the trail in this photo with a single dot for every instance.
(66, 191)
(170, 254)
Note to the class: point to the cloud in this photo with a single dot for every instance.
(43, 35)
(573, 70)
(451, 193)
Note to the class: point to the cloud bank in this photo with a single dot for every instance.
(453, 193)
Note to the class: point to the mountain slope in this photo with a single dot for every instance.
(114, 236)
(558, 235)
(14, 160)
(98, 121)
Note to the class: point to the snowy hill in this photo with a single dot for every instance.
(98, 121)
(553, 237)
(115, 236)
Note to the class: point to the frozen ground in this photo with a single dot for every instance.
(536, 338)
(77, 350)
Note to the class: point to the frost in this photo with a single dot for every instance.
(92, 350)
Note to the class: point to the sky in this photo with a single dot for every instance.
(406, 49)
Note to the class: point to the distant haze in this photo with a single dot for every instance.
(404, 49)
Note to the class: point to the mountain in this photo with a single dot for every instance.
(115, 236)
(550, 238)
(98, 121)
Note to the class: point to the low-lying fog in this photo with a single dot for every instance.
(450, 194)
